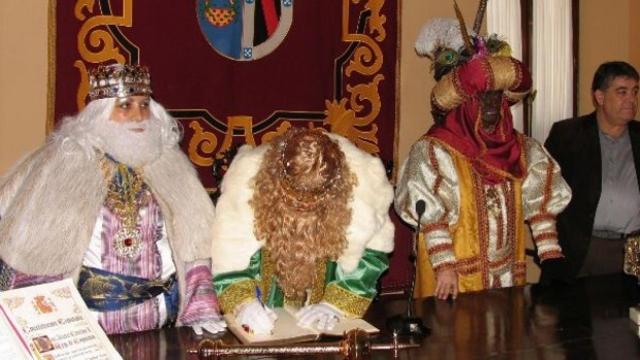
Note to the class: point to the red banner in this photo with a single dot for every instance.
(241, 71)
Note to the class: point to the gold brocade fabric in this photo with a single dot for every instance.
(351, 304)
(267, 269)
(470, 236)
(236, 294)
(318, 287)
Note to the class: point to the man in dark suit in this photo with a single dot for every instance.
(599, 155)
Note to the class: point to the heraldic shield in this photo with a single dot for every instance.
(244, 30)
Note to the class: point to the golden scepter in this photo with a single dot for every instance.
(356, 345)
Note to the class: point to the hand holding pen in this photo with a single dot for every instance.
(255, 317)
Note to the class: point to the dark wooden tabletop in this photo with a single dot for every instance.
(588, 320)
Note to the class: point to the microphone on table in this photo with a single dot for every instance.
(410, 325)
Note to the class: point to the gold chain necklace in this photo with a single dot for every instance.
(124, 200)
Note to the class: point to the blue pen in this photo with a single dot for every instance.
(259, 295)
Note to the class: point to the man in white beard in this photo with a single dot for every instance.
(112, 201)
(135, 142)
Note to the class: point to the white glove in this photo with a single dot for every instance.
(256, 318)
(326, 316)
(213, 326)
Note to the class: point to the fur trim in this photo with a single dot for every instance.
(184, 202)
(370, 225)
(50, 202)
(234, 241)
(50, 205)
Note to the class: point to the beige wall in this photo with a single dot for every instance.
(23, 77)
(634, 33)
(609, 30)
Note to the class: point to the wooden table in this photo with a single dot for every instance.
(588, 320)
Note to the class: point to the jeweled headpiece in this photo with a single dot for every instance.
(118, 80)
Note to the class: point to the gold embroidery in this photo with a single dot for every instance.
(500, 263)
(446, 265)
(433, 227)
(294, 303)
(267, 267)
(317, 292)
(438, 182)
(439, 248)
(347, 116)
(236, 294)
(547, 187)
(509, 195)
(500, 221)
(126, 194)
(483, 227)
(351, 304)
(436, 168)
(468, 266)
(541, 217)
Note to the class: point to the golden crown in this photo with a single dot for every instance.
(118, 80)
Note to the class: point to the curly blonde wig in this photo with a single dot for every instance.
(302, 190)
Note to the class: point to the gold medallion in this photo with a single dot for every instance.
(127, 243)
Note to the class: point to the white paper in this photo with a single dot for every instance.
(9, 347)
(54, 323)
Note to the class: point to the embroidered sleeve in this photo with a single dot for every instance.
(237, 287)
(201, 304)
(352, 292)
(429, 175)
(544, 195)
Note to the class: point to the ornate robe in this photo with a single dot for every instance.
(476, 227)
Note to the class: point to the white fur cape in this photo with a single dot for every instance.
(234, 241)
(50, 201)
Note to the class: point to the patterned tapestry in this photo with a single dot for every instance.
(240, 71)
